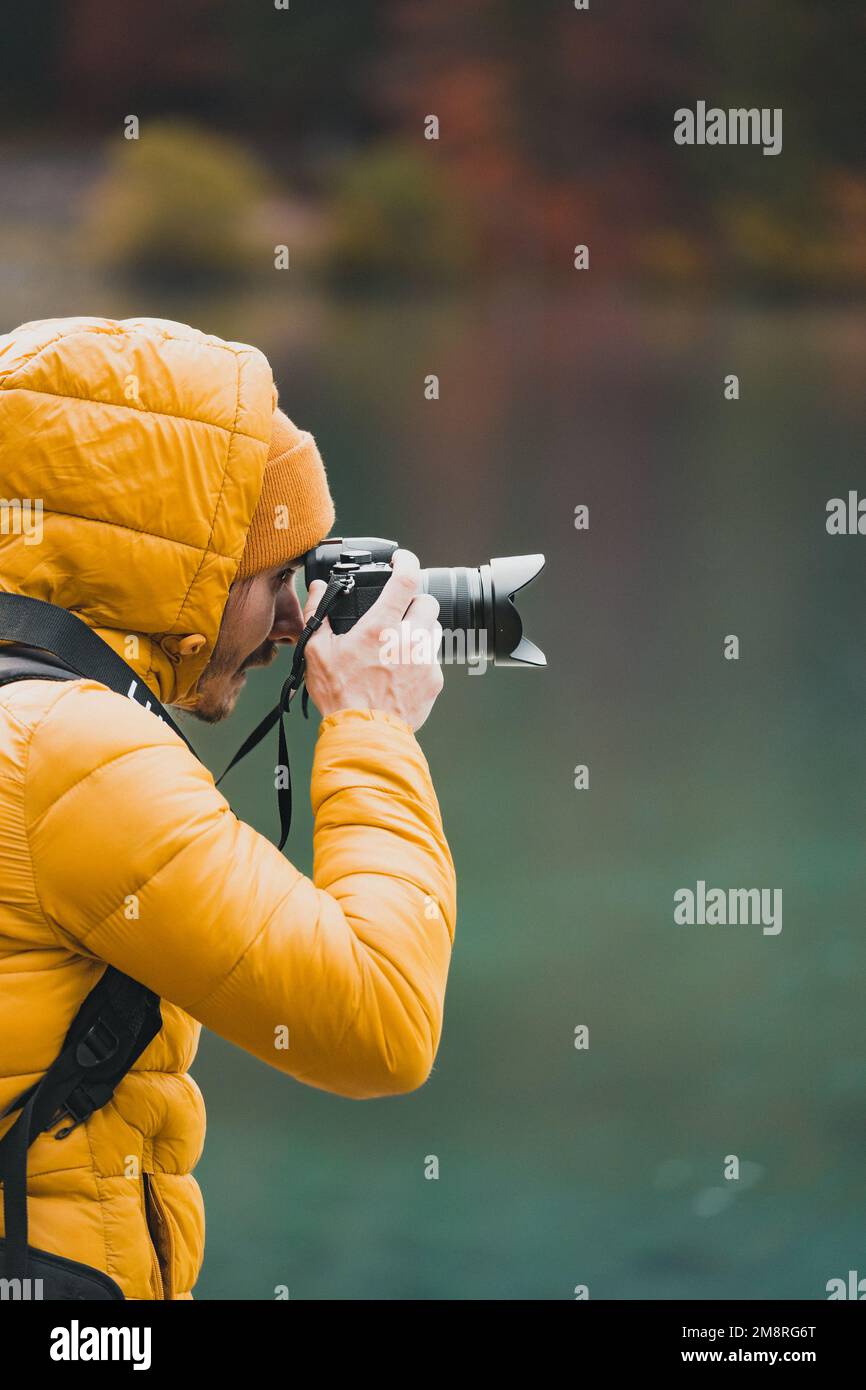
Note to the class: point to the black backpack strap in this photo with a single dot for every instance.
(120, 1016)
(79, 647)
(114, 1025)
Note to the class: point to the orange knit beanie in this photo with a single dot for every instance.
(295, 509)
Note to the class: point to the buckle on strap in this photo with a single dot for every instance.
(80, 1105)
(98, 1044)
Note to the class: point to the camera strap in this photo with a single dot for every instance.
(337, 586)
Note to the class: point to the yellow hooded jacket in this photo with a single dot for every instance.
(145, 442)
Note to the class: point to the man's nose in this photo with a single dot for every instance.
(288, 617)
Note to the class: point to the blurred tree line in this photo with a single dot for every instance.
(556, 127)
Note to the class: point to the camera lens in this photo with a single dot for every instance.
(480, 604)
(459, 593)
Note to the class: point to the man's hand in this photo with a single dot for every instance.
(358, 669)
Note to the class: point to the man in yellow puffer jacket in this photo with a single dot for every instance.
(174, 500)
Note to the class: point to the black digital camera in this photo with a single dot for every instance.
(476, 605)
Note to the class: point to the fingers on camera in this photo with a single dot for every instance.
(423, 611)
(396, 595)
(314, 598)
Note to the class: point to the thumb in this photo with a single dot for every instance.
(314, 598)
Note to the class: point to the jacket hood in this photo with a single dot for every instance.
(131, 461)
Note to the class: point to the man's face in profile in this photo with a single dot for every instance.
(261, 612)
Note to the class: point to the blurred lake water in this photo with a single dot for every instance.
(603, 1166)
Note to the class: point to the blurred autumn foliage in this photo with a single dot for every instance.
(395, 216)
(555, 128)
(180, 203)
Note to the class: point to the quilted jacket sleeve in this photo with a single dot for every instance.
(138, 860)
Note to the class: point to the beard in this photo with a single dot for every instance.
(222, 680)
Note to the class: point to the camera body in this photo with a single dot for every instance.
(369, 564)
(475, 603)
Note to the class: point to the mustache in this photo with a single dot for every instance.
(262, 656)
